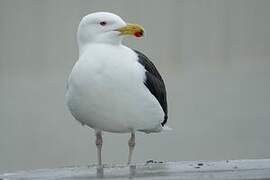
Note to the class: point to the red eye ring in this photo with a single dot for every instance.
(103, 23)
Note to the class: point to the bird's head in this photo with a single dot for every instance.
(104, 27)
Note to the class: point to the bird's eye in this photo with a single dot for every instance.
(103, 23)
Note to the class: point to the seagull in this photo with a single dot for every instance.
(112, 87)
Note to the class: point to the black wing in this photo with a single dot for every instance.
(154, 83)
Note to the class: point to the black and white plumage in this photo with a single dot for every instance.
(154, 83)
(112, 87)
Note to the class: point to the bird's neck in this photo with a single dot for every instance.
(106, 41)
(85, 46)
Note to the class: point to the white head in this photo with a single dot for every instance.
(104, 27)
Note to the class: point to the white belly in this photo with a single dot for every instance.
(106, 92)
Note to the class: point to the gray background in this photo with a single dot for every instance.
(214, 57)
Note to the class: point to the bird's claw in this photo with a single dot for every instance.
(132, 170)
(100, 171)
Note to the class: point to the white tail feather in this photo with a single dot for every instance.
(166, 128)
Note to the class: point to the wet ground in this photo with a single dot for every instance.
(227, 169)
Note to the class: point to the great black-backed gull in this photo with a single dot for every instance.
(113, 87)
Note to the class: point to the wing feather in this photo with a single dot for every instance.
(154, 83)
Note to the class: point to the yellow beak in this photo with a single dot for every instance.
(131, 29)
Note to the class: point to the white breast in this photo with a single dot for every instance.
(106, 91)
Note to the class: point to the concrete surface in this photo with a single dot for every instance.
(227, 169)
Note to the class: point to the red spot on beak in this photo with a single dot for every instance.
(138, 34)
